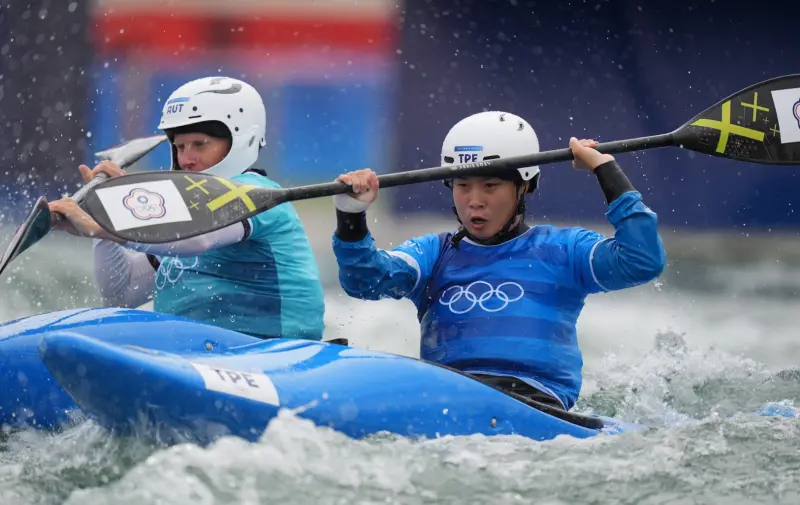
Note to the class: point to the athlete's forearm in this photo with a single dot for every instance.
(195, 245)
(636, 253)
(351, 227)
(613, 180)
(364, 270)
(125, 278)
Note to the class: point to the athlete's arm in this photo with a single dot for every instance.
(370, 273)
(196, 245)
(635, 255)
(125, 278)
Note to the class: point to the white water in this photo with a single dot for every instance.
(694, 355)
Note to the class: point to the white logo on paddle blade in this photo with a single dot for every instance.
(145, 204)
(787, 108)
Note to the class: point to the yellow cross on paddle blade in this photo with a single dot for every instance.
(196, 184)
(754, 105)
(726, 128)
(235, 193)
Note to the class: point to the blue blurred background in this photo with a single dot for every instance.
(374, 83)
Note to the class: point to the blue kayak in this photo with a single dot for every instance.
(30, 396)
(175, 379)
(198, 396)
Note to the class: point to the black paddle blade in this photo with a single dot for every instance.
(128, 153)
(35, 227)
(39, 223)
(760, 124)
(158, 207)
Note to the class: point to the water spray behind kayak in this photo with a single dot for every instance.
(40, 220)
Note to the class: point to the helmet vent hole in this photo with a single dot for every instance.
(449, 159)
(236, 128)
(252, 139)
(492, 157)
(229, 116)
(194, 108)
(241, 110)
(521, 126)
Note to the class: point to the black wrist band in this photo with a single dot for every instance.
(613, 180)
(351, 227)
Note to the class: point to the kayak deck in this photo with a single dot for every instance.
(198, 398)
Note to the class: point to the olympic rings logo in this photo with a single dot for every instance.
(460, 299)
(171, 271)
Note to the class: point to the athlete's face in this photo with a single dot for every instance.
(484, 205)
(198, 151)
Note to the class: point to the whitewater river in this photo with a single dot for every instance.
(692, 355)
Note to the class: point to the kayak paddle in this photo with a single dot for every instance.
(40, 220)
(158, 207)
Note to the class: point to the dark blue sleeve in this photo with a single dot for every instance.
(370, 273)
(634, 256)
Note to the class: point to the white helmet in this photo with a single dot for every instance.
(232, 102)
(490, 135)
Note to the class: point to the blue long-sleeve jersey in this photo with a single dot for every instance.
(512, 308)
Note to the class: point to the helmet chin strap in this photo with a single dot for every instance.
(511, 229)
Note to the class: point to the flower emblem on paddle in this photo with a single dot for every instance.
(145, 204)
(796, 111)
